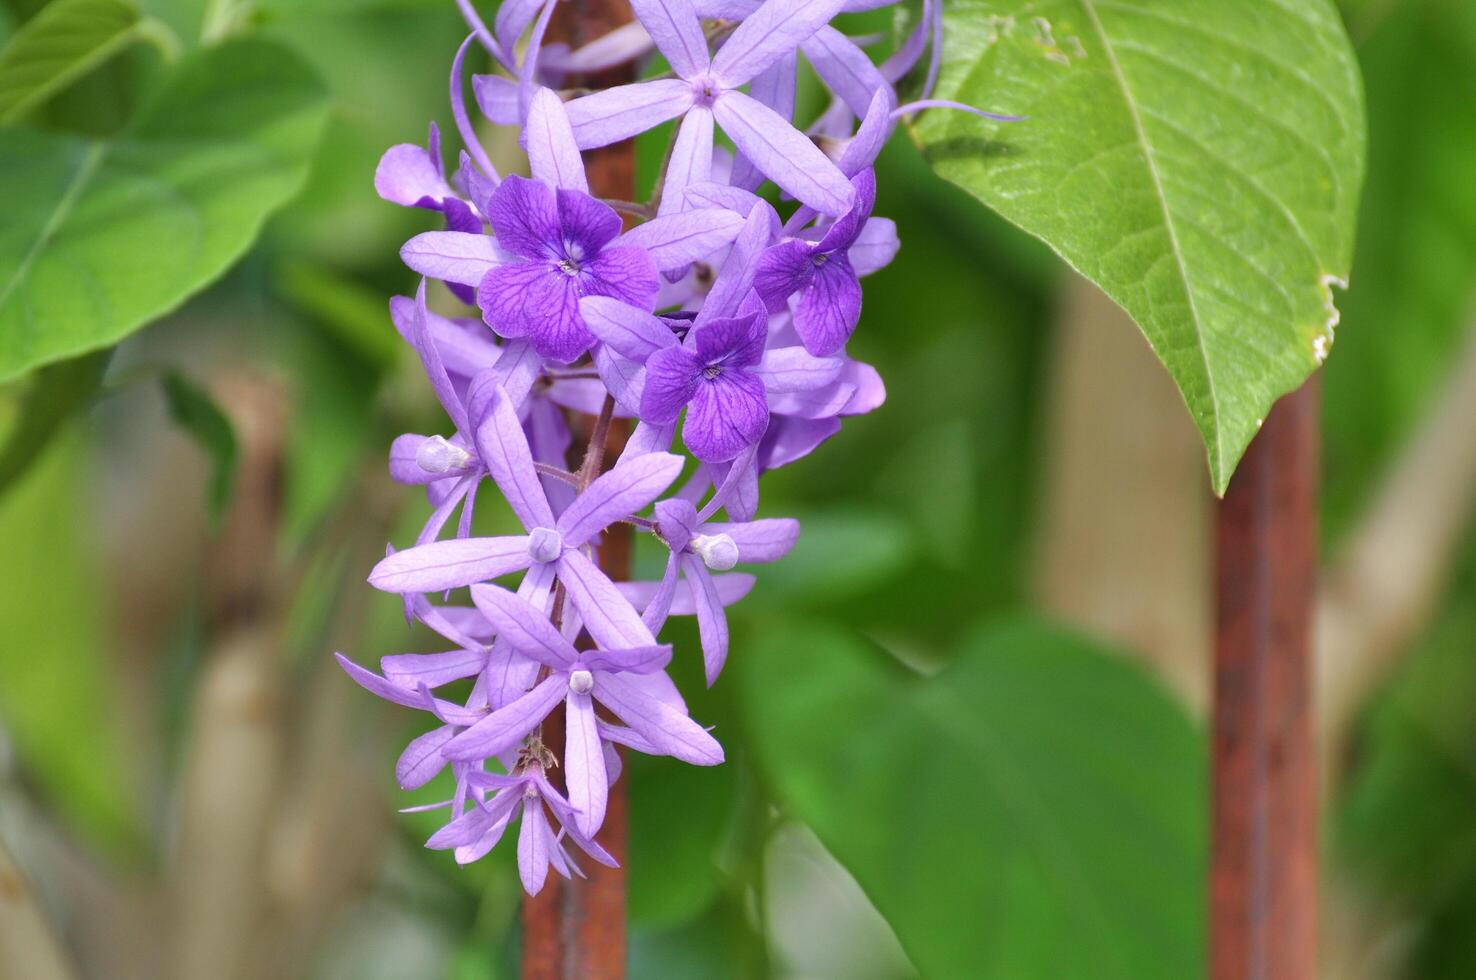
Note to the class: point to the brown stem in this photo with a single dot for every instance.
(1263, 865)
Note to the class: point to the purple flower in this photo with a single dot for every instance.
(706, 91)
(698, 549)
(579, 679)
(552, 547)
(528, 796)
(822, 276)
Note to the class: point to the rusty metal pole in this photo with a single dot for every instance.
(1263, 865)
(577, 929)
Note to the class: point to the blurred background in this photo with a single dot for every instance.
(964, 719)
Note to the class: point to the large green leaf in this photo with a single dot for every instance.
(1035, 810)
(102, 236)
(1200, 161)
(66, 40)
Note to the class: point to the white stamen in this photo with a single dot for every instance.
(545, 544)
(581, 682)
(718, 552)
(436, 455)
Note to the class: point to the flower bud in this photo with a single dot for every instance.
(581, 682)
(717, 551)
(545, 544)
(436, 455)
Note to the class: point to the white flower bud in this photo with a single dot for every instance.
(581, 682)
(545, 544)
(717, 551)
(436, 455)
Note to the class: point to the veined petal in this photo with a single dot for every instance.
(587, 224)
(584, 763)
(674, 26)
(537, 301)
(711, 194)
(525, 626)
(728, 414)
(624, 273)
(712, 621)
(737, 280)
(610, 619)
(691, 157)
(618, 494)
(442, 565)
(795, 369)
(624, 111)
(847, 227)
(829, 307)
(775, 88)
(533, 838)
(505, 727)
(782, 271)
(504, 451)
(674, 240)
(451, 256)
(422, 760)
(499, 813)
(629, 331)
(785, 155)
(553, 155)
(776, 28)
(630, 660)
(760, 541)
(667, 729)
(672, 375)
(525, 217)
(656, 606)
(734, 342)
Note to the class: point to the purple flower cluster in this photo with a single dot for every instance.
(712, 314)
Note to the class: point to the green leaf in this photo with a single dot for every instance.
(64, 41)
(1035, 810)
(56, 392)
(102, 236)
(1198, 161)
(194, 411)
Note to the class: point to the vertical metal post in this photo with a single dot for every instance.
(1263, 867)
(577, 929)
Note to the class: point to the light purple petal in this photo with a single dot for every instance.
(790, 439)
(513, 18)
(656, 607)
(795, 369)
(672, 375)
(712, 621)
(408, 175)
(623, 491)
(458, 111)
(533, 847)
(674, 26)
(870, 391)
(524, 626)
(674, 240)
(631, 332)
(442, 565)
(505, 727)
(728, 414)
(632, 660)
(737, 279)
(451, 256)
(624, 379)
(432, 669)
(844, 68)
(610, 619)
(691, 158)
(648, 437)
(840, 235)
(775, 29)
(624, 111)
(404, 466)
(430, 359)
(775, 88)
(624, 43)
(667, 729)
(505, 453)
(584, 763)
(422, 760)
(497, 97)
(710, 194)
(760, 541)
(786, 156)
(553, 156)
(875, 247)
(464, 345)
(818, 404)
